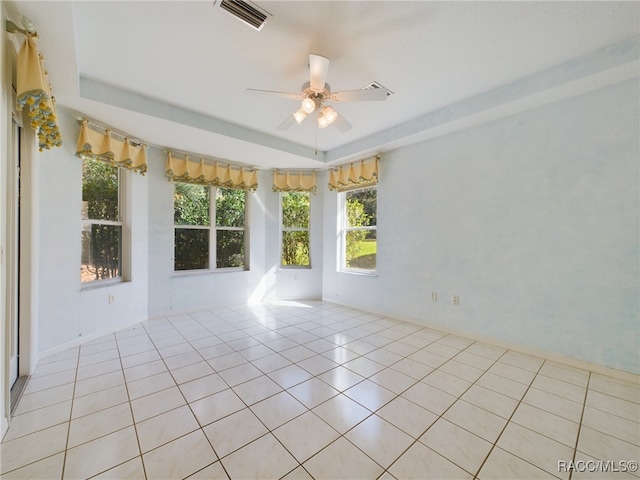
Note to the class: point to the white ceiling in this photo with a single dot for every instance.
(173, 73)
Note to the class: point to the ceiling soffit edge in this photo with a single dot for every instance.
(607, 65)
(96, 90)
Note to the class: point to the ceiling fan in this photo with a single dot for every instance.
(315, 93)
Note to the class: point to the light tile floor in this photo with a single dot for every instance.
(314, 390)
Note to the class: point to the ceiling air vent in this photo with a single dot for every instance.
(376, 85)
(244, 11)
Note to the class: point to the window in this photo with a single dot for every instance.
(295, 229)
(359, 234)
(101, 222)
(191, 215)
(198, 245)
(230, 231)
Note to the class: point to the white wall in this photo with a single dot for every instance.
(295, 283)
(184, 291)
(533, 220)
(68, 309)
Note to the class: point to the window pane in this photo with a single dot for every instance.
(295, 209)
(191, 204)
(361, 207)
(191, 249)
(99, 191)
(230, 248)
(361, 248)
(100, 252)
(295, 248)
(230, 207)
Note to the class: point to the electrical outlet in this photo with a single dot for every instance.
(434, 296)
(112, 298)
(455, 300)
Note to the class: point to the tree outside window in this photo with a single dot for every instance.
(198, 245)
(359, 234)
(192, 225)
(230, 227)
(101, 222)
(295, 229)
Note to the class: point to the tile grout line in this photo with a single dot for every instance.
(73, 398)
(40, 430)
(584, 407)
(133, 418)
(417, 440)
(307, 409)
(495, 443)
(269, 431)
(242, 323)
(106, 408)
(177, 385)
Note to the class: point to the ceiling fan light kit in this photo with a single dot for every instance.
(308, 105)
(327, 116)
(316, 91)
(300, 115)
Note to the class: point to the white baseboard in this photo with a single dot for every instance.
(554, 357)
(88, 338)
(264, 301)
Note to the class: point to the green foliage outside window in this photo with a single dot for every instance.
(230, 213)
(230, 206)
(295, 215)
(192, 208)
(101, 243)
(191, 204)
(361, 244)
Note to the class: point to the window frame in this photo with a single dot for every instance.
(344, 228)
(283, 229)
(124, 253)
(213, 229)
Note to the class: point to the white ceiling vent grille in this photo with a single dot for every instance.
(244, 11)
(375, 85)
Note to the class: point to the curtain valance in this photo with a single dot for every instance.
(363, 173)
(34, 92)
(299, 181)
(218, 175)
(105, 148)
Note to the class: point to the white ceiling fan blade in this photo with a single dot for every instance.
(318, 68)
(290, 120)
(341, 124)
(291, 96)
(374, 94)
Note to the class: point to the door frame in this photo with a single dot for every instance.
(12, 302)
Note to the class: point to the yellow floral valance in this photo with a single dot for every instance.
(105, 148)
(299, 181)
(34, 92)
(363, 173)
(216, 174)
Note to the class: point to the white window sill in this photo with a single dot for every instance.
(95, 284)
(196, 273)
(362, 273)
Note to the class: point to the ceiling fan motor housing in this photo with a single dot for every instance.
(309, 92)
